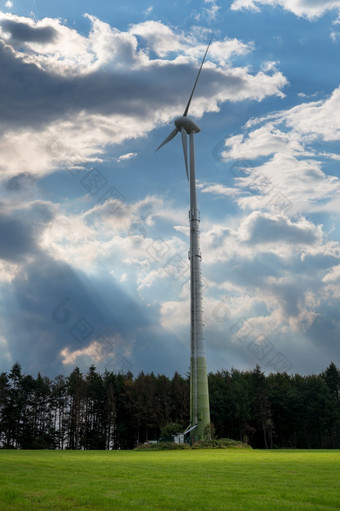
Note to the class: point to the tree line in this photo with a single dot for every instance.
(118, 411)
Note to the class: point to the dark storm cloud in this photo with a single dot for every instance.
(290, 295)
(326, 330)
(49, 306)
(33, 97)
(19, 182)
(59, 307)
(20, 230)
(250, 273)
(15, 239)
(264, 229)
(25, 33)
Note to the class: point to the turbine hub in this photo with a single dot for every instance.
(187, 124)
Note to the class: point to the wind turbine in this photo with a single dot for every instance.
(199, 395)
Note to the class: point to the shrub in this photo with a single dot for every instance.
(222, 443)
(161, 446)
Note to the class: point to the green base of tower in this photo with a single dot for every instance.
(203, 409)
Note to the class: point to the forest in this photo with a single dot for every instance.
(118, 410)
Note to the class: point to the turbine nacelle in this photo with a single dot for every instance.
(183, 124)
(186, 123)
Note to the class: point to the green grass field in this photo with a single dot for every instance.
(223, 479)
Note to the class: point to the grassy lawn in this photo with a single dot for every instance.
(223, 479)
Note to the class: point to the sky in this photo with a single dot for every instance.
(94, 223)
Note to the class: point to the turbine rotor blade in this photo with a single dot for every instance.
(168, 138)
(185, 150)
(197, 77)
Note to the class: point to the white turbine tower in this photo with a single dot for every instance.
(199, 395)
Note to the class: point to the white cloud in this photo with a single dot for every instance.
(175, 316)
(218, 189)
(276, 164)
(262, 264)
(8, 271)
(109, 350)
(260, 233)
(124, 277)
(228, 308)
(263, 228)
(212, 9)
(265, 278)
(84, 239)
(161, 38)
(146, 277)
(263, 141)
(316, 119)
(309, 9)
(208, 13)
(148, 10)
(333, 275)
(64, 134)
(120, 235)
(67, 238)
(289, 186)
(70, 53)
(127, 156)
(278, 266)
(223, 51)
(286, 288)
(91, 351)
(71, 143)
(335, 36)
